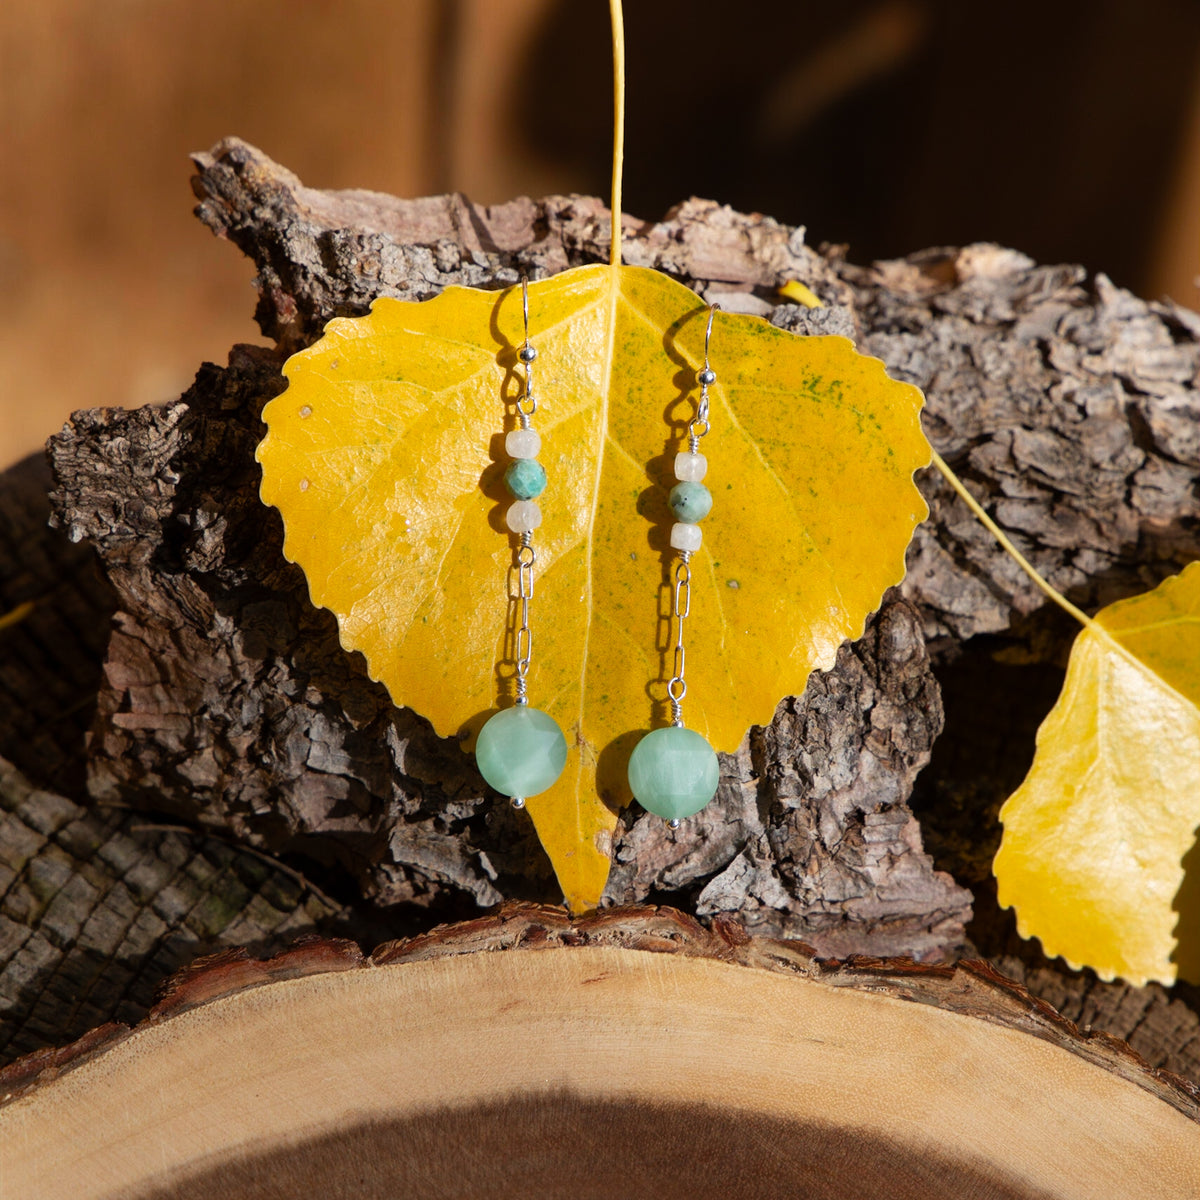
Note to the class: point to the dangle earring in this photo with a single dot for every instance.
(673, 772)
(521, 751)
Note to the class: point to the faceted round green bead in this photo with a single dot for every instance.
(673, 772)
(525, 478)
(521, 751)
(690, 502)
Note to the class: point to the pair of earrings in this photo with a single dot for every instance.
(521, 751)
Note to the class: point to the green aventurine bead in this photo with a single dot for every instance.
(690, 502)
(521, 751)
(525, 478)
(673, 772)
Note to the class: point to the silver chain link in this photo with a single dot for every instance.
(523, 561)
(681, 605)
(698, 426)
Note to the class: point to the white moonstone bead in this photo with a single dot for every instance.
(522, 443)
(685, 536)
(689, 467)
(524, 516)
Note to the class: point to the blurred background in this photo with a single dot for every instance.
(1069, 129)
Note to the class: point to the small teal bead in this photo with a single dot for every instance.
(521, 751)
(673, 772)
(690, 502)
(525, 478)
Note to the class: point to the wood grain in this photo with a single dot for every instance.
(363, 1076)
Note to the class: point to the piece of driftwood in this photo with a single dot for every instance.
(97, 905)
(229, 700)
(633, 1053)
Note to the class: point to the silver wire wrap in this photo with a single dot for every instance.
(681, 592)
(523, 561)
(526, 402)
(681, 605)
(699, 426)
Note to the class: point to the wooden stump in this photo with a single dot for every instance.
(632, 1054)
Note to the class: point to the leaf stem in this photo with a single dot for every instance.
(1000, 536)
(618, 152)
(16, 615)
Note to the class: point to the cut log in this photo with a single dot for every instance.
(632, 1054)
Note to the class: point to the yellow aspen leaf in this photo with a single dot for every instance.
(385, 458)
(1094, 837)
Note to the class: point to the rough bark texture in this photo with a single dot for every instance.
(1069, 407)
(1067, 403)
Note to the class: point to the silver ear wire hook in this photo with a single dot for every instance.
(712, 312)
(706, 376)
